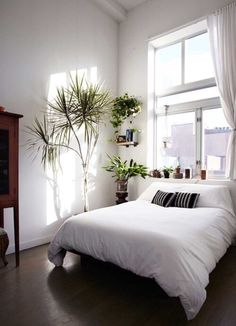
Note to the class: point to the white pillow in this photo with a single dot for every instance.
(210, 195)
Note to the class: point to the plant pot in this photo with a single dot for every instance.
(177, 170)
(166, 175)
(135, 136)
(121, 195)
(122, 185)
(203, 174)
(187, 173)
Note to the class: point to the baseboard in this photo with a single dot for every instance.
(30, 244)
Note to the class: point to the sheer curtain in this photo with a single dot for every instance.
(222, 33)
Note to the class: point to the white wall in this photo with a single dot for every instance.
(38, 39)
(153, 18)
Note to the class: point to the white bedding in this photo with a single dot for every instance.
(178, 247)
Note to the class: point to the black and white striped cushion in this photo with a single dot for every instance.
(185, 200)
(164, 199)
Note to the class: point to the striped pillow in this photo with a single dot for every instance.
(185, 200)
(164, 199)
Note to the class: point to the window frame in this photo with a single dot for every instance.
(198, 107)
(184, 87)
(176, 36)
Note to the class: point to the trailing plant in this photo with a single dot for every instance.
(124, 171)
(71, 122)
(124, 107)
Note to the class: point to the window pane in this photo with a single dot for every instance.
(200, 94)
(198, 61)
(215, 140)
(168, 67)
(176, 129)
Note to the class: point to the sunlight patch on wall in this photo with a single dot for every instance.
(64, 188)
(66, 183)
(56, 81)
(52, 195)
(93, 163)
(61, 189)
(80, 73)
(93, 75)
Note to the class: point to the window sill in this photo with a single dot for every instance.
(192, 180)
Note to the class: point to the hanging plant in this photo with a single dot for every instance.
(124, 107)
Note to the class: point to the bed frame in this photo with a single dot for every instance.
(230, 184)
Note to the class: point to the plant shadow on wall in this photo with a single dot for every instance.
(72, 123)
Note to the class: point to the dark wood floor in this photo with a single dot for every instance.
(86, 292)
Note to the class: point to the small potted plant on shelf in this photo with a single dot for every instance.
(178, 174)
(135, 132)
(155, 173)
(123, 107)
(167, 170)
(177, 169)
(123, 171)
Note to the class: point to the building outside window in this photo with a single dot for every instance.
(190, 127)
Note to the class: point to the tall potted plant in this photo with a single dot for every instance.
(123, 171)
(72, 122)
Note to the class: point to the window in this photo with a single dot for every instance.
(190, 127)
(198, 63)
(175, 129)
(200, 94)
(184, 66)
(186, 138)
(168, 59)
(215, 140)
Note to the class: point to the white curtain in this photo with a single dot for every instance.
(222, 33)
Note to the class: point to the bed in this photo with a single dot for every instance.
(178, 247)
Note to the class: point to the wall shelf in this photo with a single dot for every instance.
(127, 143)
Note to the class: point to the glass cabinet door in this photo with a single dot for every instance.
(4, 162)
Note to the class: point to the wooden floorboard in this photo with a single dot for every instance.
(87, 292)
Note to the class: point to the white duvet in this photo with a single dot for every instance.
(178, 247)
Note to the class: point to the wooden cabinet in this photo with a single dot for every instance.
(9, 145)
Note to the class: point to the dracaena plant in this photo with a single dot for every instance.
(123, 170)
(71, 122)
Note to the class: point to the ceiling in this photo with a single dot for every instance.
(118, 9)
(129, 4)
